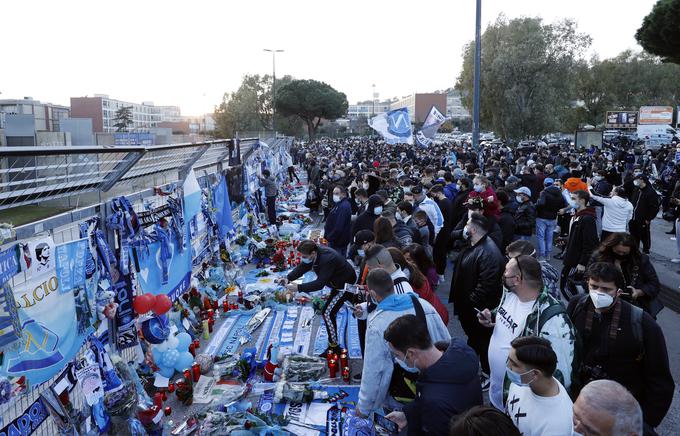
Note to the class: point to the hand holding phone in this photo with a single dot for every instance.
(485, 317)
(382, 423)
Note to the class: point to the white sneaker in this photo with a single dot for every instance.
(673, 238)
(676, 260)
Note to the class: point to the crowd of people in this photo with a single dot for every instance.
(559, 351)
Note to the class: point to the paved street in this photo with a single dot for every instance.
(663, 249)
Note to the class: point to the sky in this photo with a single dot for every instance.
(189, 53)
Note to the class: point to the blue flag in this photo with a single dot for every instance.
(394, 126)
(220, 198)
(432, 123)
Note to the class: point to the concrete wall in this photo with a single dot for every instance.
(52, 139)
(80, 130)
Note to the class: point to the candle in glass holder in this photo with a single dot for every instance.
(187, 375)
(197, 344)
(192, 349)
(171, 387)
(333, 367)
(345, 374)
(196, 371)
(343, 360)
(167, 411)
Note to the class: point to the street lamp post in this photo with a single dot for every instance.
(373, 100)
(478, 64)
(273, 52)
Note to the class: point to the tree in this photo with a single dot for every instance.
(660, 31)
(312, 101)
(527, 75)
(123, 119)
(250, 108)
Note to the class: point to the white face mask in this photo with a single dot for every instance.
(361, 253)
(336, 198)
(519, 199)
(601, 300)
(636, 182)
(365, 185)
(378, 210)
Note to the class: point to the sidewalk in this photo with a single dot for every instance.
(663, 250)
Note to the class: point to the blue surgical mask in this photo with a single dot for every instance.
(404, 365)
(516, 377)
(306, 259)
(479, 188)
(378, 210)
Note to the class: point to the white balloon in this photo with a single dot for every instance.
(173, 342)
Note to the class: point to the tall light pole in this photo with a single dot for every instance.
(273, 52)
(373, 100)
(478, 64)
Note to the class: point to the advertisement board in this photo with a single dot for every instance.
(621, 120)
(656, 115)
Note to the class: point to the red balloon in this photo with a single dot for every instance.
(161, 304)
(143, 303)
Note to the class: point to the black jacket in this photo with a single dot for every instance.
(338, 223)
(331, 270)
(459, 208)
(506, 222)
(525, 219)
(645, 203)
(405, 234)
(367, 218)
(582, 238)
(645, 373)
(444, 390)
(549, 203)
(477, 277)
(446, 206)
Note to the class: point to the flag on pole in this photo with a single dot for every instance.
(394, 126)
(431, 125)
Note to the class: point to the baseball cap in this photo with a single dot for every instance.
(523, 190)
(548, 181)
(364, 236)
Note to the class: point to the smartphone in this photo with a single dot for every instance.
(382, 423)
(354, 289)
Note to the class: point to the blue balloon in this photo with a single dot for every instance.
(166, 372)
(157, 355)
(169, 358)
(184, 340)
(184, 361)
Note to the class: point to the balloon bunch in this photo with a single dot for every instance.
(173, 354)
(159, 304)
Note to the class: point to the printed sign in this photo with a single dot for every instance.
(621, 120)
(656, 115)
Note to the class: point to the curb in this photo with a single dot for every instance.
(670, 298)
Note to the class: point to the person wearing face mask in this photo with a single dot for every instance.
(582, 240)
(526, 309)
(525, 216)
(463, 185)
(381, 376)
(617, 212)
(604, 407)
(641, 281)
(365, 220)
(537, 403)
(450, 188)
(338, 223)
(621, 342)
(332, 270)
(646, 203)
(447, 382)
(361, 197)
(424, 203)
(483, 189)
(476, 283)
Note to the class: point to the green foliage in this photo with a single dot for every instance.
(250, 108)
(312, 101)
(526, 75)
(123, 119)
(660, 31)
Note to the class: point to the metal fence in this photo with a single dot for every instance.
(32, 175)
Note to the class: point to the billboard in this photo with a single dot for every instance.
(656, 115)
(589, 139)
(621, 120)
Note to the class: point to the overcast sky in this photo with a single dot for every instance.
(188, 53)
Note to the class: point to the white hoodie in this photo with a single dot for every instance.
(617, 212)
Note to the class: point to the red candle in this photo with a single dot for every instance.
(329, 356)
(334, 357)
(240, 296)
(225, 306)
(171, 387)
(167, 411)
(345, 374)
(192, 349)
(211, 314)
(196, 371)
(343, 360)
(211, 322)
(197, 344)
(158, 399)
(187, 375)
(164, 396)
(332, 367)
(215, 305)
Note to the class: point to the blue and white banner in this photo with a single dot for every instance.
(49, 323)
(394, 126)
(431, 125)
(71, 259)
(220, 198)
(9, 264)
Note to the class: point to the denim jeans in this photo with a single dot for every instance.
(544, 235)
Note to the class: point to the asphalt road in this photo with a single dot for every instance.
(667, 319)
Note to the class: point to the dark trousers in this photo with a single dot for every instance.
(604, 235)
(478, 336)
(342, 250)
(330, 312)
(639, 230)
(271, 209)
(291, 174)
(440, 250)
